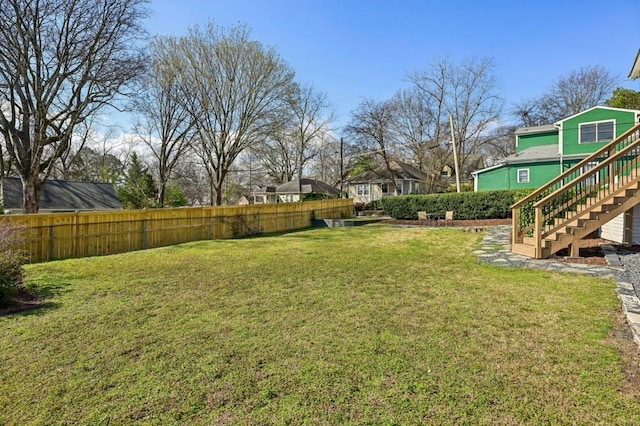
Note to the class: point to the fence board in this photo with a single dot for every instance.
(64, 235)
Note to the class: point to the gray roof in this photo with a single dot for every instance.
(536, 129)
(306, 184)
(400, 170)
(60, 195)
(535, 153)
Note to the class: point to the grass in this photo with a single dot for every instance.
(365, 325)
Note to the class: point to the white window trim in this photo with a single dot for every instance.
(596, 122)
(528, 175)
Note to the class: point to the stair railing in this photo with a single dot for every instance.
(552, 206)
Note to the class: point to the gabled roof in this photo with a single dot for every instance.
(635, 69)
(597, 107)
(400, 170)
(529, 155)
(304, 186)
(60, 195)
(308, 186)
(535, 153)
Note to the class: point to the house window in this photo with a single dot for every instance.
(384, 188)
(399, 188)
(523, 175)
(601, 131)
(362, 189)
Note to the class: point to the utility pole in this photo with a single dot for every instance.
(341, 165)
(455, 154)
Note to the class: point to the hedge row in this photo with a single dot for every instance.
(465, 205)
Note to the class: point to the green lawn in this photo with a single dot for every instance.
(364, 325)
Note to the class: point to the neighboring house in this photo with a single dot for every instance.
(61, 196)
(245, 200)
(293, 191)
(376, 184)
(635, 70)
(544, 152)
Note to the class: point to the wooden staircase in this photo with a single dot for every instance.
(580, 200)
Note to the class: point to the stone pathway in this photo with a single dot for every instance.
(496, 250)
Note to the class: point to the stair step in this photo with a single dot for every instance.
(582, 207)
(592, 211)
(524, 249)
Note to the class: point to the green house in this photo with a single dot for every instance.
(544, 152)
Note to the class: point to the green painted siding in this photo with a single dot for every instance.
(537, 139)
(624, 120)
(493, 179)
(506, 177)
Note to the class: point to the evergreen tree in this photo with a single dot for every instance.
(139, 190)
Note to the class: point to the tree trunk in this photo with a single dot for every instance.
(212, 198)
(161, 194)
(218, 190)
(31, 193)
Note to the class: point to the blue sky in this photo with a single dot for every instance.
(352, 49)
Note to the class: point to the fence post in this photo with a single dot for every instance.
(76, 235)
(52, 242)
(145, 239)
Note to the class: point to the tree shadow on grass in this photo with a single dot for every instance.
(31, 301)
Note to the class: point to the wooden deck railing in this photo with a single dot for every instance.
(606, 169)
(81, 234)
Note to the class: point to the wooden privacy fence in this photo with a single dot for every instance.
(81, 234)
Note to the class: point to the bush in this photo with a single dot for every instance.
(464, 187)
(465, 205)
(11, 260)
(371, 205)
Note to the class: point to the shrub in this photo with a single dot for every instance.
(374, 205)
(316, 196)
(175, 197)
(466, 205)
(11, 260)
(464, 187)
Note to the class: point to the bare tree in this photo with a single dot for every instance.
(191, 178)
(415, 127)
(468, 92)
(234, 89)
(500, 143)
(287, 151)
(530, 113)
(328, 165)
(370, 129)
(311, 118)
(579, 90)
(61, 61)
(277, 155)
(165, 124)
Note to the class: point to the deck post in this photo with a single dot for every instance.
(515, 225)
(537, 232)
(628, 227)
(574, 251)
